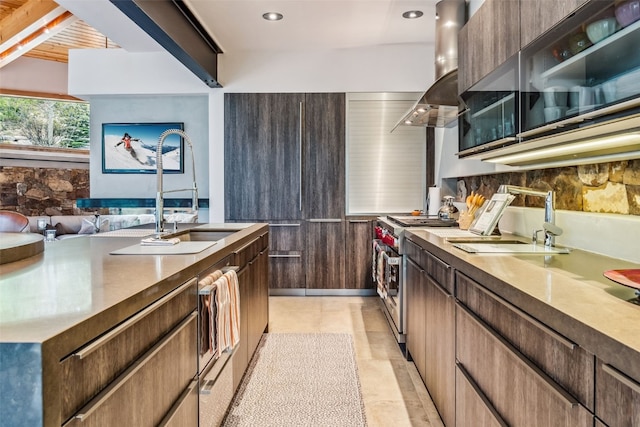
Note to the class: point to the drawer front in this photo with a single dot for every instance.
(520, 392)
(617, 397)
(473, 409)
(216, 393)
(568, 364)
(144, 393)
(286, 236)
(414, 252)
(90, 369)
(185, 412)
(441, 272)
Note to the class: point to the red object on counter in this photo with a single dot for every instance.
(629, 277)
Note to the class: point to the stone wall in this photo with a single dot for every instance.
(603, 188)
(37, 191)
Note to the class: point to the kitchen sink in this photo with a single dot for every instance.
(508, 247)
(202, 235)
(486, 239)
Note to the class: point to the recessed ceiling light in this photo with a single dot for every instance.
(272, 16)
(412, 14)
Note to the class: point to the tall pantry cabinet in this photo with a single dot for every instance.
(285, 165)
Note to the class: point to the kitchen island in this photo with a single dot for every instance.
(523, 338)
(55, 304)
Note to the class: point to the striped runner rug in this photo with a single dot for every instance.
(300, 379)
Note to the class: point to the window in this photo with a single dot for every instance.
(44, 122)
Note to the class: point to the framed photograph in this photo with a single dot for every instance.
(131, 148)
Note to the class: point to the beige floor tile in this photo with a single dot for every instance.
(392, 389)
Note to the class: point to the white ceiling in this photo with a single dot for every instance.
(237, 25)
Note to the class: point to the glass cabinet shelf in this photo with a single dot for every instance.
(497, 107)
(595, 58)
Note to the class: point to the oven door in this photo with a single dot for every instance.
(387, 274)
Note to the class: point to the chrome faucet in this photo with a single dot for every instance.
(160, 193)
(551, 230)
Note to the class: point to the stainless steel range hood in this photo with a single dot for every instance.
(438, 106)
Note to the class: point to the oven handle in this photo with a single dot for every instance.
(392, 260)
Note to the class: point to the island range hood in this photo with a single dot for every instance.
(438, 106)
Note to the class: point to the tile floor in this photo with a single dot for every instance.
(393, 392)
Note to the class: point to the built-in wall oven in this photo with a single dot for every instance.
(389, 266)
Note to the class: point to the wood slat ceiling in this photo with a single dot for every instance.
(78, 35)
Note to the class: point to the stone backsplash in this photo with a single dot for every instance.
(603, 188)
(39, 191)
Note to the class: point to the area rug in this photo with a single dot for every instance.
(300, 380)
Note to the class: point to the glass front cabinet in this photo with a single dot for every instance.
(583, 72)
(490, 116)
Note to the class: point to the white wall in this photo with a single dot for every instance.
(34, 75)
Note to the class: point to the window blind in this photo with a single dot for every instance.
(386, 171)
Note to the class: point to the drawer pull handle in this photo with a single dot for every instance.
(358, 221)
(481, 395)
(87, 350)
(284, 225)
(568, 399)
(95, 403)
(620, 377)
(285, 256)
(566, 342)
(325, 220)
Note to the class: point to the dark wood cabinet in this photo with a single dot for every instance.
(537, 18)
(287, 249)
(416, 316)
(284, 164)
(284, 156)
(324, 155)
(440, 349)
(325, 263)
(431, 326)
(358, 253)
(473, 409)
(489, 38)
(521, 393)
(565, 362)
(263, 156)
(617, 397)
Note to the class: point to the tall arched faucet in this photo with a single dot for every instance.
(160, 193)
(551, 230)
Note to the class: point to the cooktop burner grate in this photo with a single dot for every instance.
(421, 221)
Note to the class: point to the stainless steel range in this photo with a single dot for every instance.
(389, 265)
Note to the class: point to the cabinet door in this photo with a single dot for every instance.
(473, 409)
(489, 38)
(144, 393)
(617, 397)
(521, 393)
(568, 364)
(286, 255)
(416, 315)
(358, 254)
(324, 155)
(536, 18)
(325, 263)
(263, 142)
(440, 349)
(84, 373)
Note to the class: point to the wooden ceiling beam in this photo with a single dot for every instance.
(26, 19)
(52, 24)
